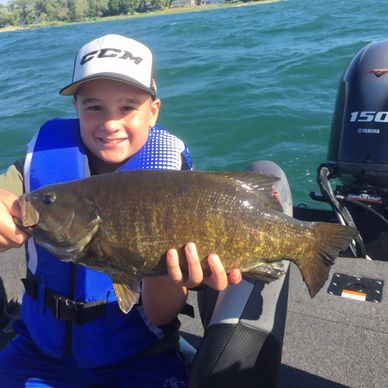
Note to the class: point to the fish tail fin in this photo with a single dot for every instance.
(329, 240)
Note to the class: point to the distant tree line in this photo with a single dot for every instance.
(23, 12)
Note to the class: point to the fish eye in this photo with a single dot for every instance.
(48, 198)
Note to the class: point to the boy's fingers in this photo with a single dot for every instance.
(11, 203)
(8, 244)
(234, 276)
(195, 274)
(218, 279)
(173, 268)
(4, 244)
(10, 235)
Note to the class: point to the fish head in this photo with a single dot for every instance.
(60, 219)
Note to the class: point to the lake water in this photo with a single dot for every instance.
(237, 84)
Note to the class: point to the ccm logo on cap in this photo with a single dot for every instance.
(110, 53)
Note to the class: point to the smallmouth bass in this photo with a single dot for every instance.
(123, 223)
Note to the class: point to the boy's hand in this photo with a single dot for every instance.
(218, 280)
(10, 235)
(163, 297)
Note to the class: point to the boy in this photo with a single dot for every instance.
(72, 332)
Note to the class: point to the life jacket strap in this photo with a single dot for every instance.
(79, 312)
(170, 341)
(67, 309)
(64, 308)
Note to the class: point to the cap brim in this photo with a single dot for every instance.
(70, 89)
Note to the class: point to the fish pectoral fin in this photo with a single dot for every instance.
(267, 271)
(127, 293)
(121, 254)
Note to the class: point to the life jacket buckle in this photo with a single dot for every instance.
(65, 308)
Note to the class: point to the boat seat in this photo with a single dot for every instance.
(244, 324)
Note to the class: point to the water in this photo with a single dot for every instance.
(237, 84)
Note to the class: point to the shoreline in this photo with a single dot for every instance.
(168, 11)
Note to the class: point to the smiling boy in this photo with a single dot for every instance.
(114, 120)
(72, 333)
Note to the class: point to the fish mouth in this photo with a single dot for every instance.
(30, 217)
(19, 224)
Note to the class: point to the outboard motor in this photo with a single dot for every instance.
(358, 150)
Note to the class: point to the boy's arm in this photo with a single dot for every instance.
(11, 186)
(164, 297)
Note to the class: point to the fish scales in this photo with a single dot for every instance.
(128, 220)
(157, 219)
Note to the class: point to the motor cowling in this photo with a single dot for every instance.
(358, 147)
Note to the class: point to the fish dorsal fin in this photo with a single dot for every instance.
(127, 292)
(261, 184)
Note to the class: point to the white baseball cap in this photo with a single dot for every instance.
(113, 57)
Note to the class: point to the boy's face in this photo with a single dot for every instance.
(115, 119)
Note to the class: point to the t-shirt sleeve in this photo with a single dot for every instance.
(12, 178)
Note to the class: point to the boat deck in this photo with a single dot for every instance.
(330, 341)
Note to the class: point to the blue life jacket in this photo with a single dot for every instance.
(56, 154)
